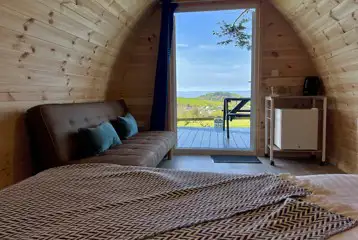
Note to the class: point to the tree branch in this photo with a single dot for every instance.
(242, 14)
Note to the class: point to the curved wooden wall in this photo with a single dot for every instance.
(56, 51)
(134, 72)
(89, 50)
(329, 30)
(282, 50)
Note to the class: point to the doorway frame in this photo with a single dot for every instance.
(255, 75)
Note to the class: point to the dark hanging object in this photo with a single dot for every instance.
(160, 97)
(311, 86)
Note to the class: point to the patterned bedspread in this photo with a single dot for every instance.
(105, 201)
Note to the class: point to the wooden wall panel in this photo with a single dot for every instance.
(56, 51)
(282, 50)
(88, 50)
(329, 31)
(135, 71)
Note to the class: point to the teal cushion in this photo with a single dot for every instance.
(99, 139)
(126, 126)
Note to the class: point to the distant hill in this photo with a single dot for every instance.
(219, 96)
(197, 102)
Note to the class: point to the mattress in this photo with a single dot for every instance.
(341, 194)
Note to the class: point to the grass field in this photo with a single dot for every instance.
(207, 106)
(197, 102)
(239, 123)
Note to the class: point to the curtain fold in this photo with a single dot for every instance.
(161, 88)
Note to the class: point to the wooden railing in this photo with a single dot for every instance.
(196, 119)
(201, 119)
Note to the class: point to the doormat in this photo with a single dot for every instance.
(235, 159)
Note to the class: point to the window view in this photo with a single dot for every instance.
(213, 59)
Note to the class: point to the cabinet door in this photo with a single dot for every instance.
(299, 129)
(278, 128)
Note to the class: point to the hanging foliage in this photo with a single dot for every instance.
(235, 33)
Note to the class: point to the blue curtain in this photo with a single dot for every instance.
(160, 97)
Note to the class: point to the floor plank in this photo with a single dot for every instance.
(206, 164)
(240, 143)
(229, 143)
(189, 140)
(180, 134)
(198, 139)
(213, 138)
(214, 144)
(205, 141)
(220, 140)
(193, 135)
(184, 138)
(246, 140)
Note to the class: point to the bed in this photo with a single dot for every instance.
(106, 201)
(341, 195)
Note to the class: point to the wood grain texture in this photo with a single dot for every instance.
(282, 50)
(57, 51)
(329, 31)
(134, 72)
(212, 138)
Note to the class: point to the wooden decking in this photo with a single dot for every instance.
(213, 138)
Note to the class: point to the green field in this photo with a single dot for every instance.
(237, 123)
(207, 106)
(198, 102)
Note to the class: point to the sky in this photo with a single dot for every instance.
(202, 65)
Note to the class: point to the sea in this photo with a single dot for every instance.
(194, 94)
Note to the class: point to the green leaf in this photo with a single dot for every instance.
(235, 33)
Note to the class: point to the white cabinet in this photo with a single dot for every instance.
(296, 129)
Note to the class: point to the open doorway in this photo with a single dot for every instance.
(214, 62)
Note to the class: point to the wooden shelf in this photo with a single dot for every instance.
(276, 149)
(270, 107)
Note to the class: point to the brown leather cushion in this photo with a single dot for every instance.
(144, 149)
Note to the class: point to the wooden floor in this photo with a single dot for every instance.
(213, 138)
(296, 167)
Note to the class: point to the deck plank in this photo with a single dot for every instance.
(213, 138)
(230, 143)
(238, 140)
(180, 133)
(184, 137)
(187, 143)
(246, 139)
(198, 139)
(205, 143)
(192, 138)
(221, 136)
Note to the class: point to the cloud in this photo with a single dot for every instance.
(209, 47)
(199, 75)
(216, 47)
(237, 66)
(182, 45)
